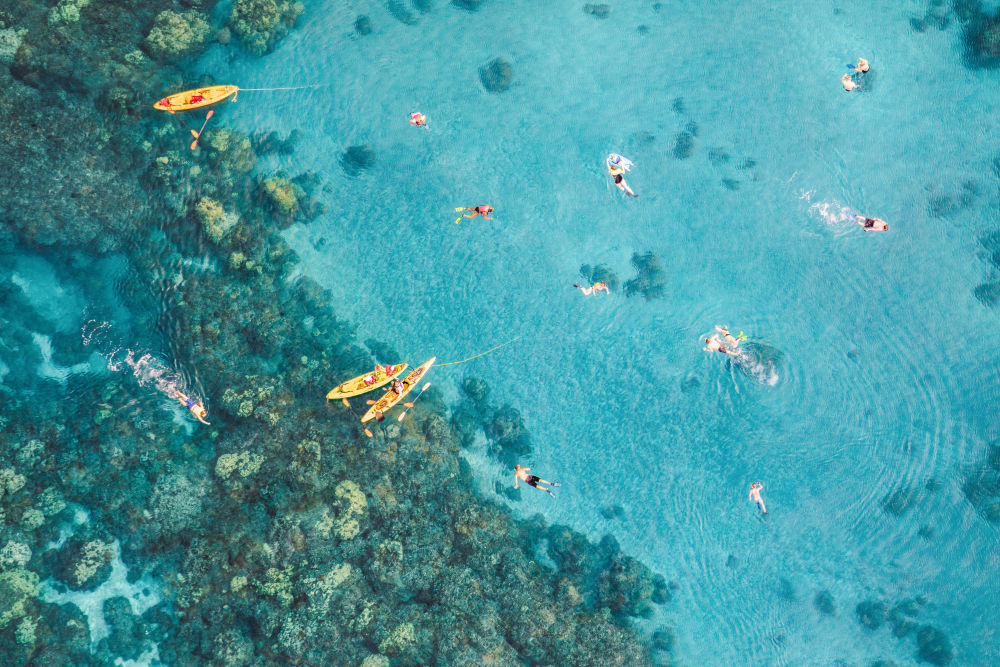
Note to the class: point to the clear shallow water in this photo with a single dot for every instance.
(885, 357)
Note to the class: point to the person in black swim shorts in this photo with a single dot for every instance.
(532, 480)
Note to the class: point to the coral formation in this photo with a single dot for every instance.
(177, 35)
(243, 463)
(496, 75)
(215, 222)
(261, 24)
(651, 278)
(356, 159)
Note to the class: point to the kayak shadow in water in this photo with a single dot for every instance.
(760, 362)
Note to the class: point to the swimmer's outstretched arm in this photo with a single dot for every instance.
(202, 420)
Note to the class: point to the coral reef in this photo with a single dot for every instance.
(309, 540)
(356, 159)
(496, 75)
(600, 11)
(177, 35)
(651, 278)
(261, 24)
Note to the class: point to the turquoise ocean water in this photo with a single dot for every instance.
(888, 366)
(882, 397)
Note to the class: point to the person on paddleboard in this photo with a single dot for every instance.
(532, 480)
(196, 408)
(755, 490)
(483, 210)
(594, 289)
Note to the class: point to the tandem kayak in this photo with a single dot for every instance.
(192, 99)
(357, 386)
(391, 398)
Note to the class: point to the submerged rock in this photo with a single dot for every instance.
(683, 145)
(468, 5)
(988, 294)
(982, 41)
(934, 646)
(399, 12)
(823, 602)
(357, 158)
(898, 501)
(600, 11)
(363, 25)
(651, 278)
(496, 75)
(872, 613)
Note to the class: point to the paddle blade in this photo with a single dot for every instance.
(344, 401)
(368, 433)
(194, 144)
(193, 133)
(211, 112)
(401, 416)
(407, 405)
(370, 402)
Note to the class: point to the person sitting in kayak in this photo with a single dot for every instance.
(417, 119)
(398, 387)
(594, 289)
(194, 99)
(483, 210)
(532, 480)
(196, 408)
(755, 489)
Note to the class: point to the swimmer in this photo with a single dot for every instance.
(623, 186)
(848, 82)
(861, 67)
(522, 474)
(730, 338)
(755, 496)
(870, 224)
(594, 289)
(483, 210)
(417, 119)
(713, 344)
(196, 408)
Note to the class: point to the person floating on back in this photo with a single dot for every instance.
(594, 289)
(870, 224)
(755, 489)
(483, 210)
(532, 480)
(196, 408)
(418, 119)
(617, 166)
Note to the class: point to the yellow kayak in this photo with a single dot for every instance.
(192, 99)
(357, 386)
(391, 398)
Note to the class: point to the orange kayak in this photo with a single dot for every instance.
(391, 398)
(367, 382)
(199, 97)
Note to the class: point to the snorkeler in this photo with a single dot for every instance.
(861, 67)
(713, 344)
(848, 82)
(870, 224)
(532, 480)
(732, 340)
(196, 408)
(755, 496)
(418, 119)
(617, 166)
(483, 210)
(594, 289)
